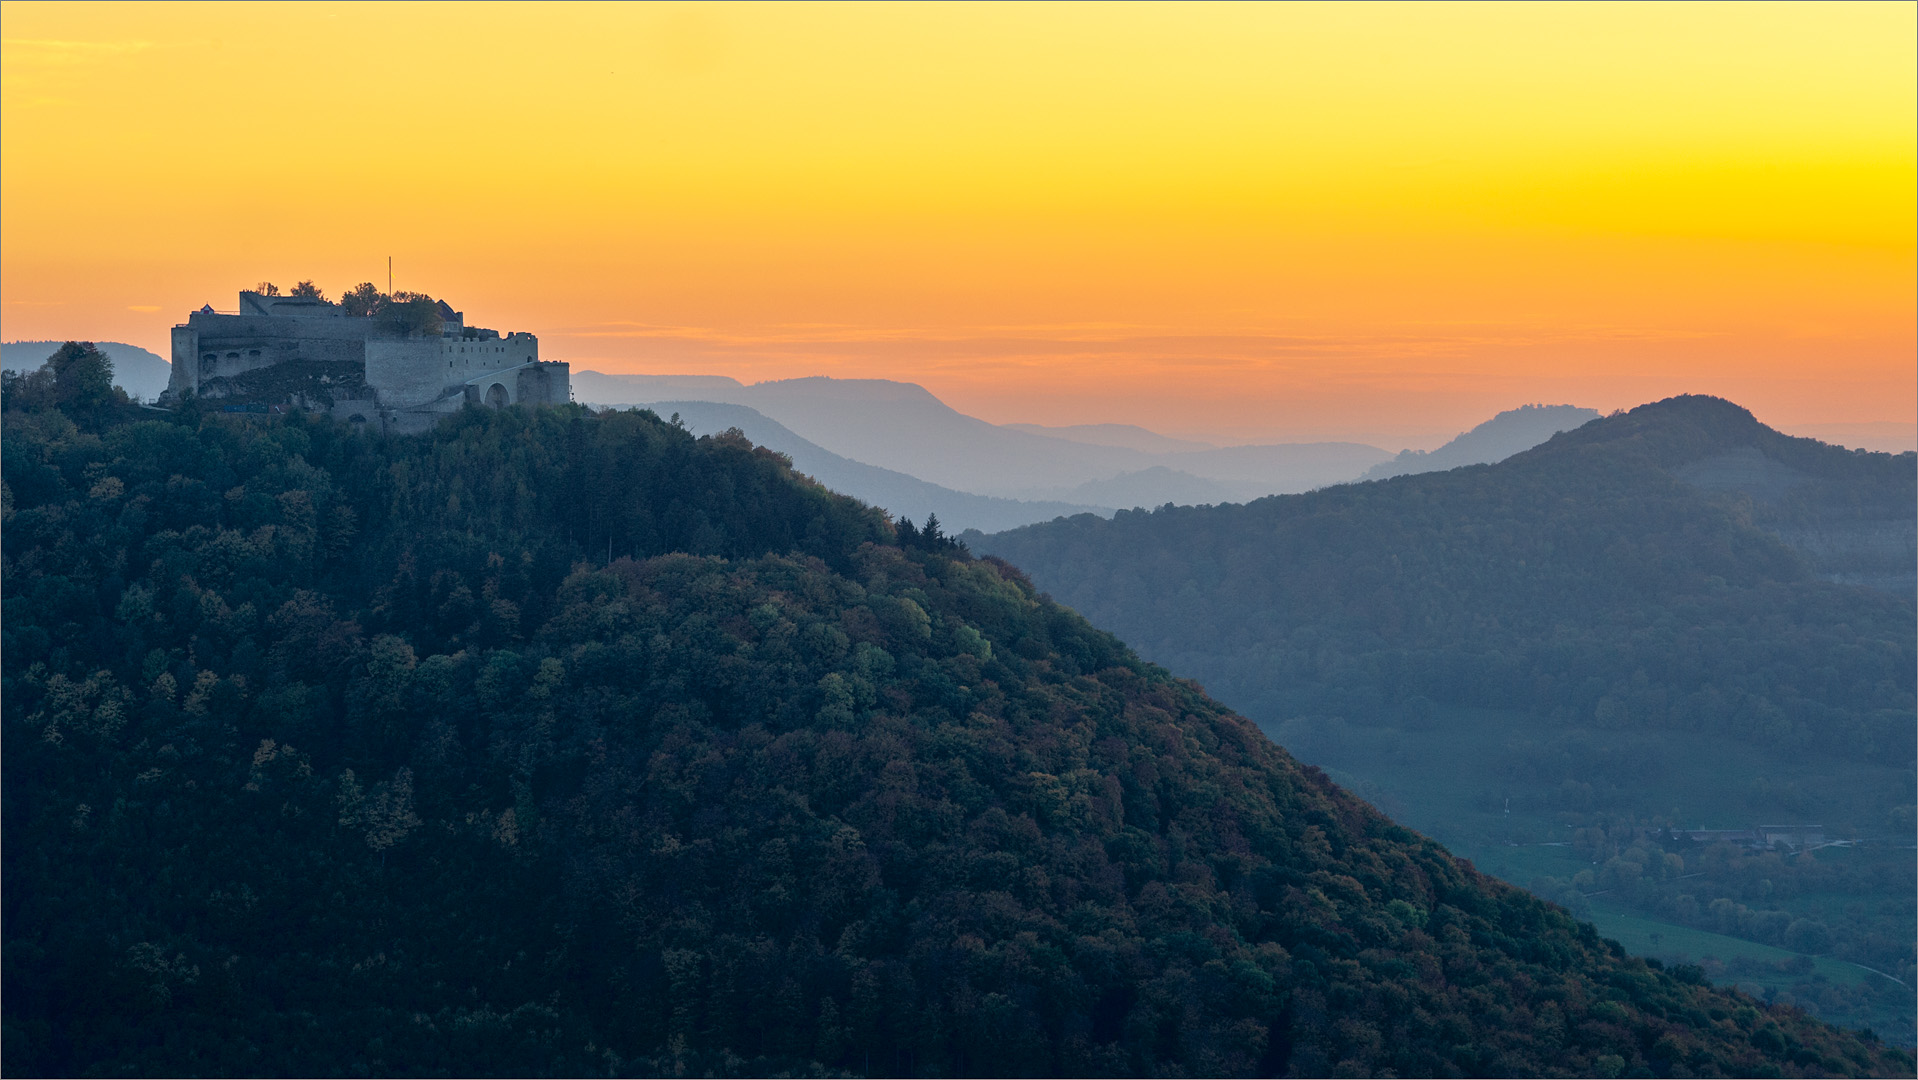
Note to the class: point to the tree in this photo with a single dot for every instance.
(306, 290)
(77, 378)
(929, 537)
(362, 300)
(384, 815)
(267, 288)
(409, 313)
(719, 763)
(402, 312)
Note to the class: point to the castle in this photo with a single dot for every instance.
(280, 352)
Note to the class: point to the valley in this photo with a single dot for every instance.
(987, 477)
(1637, 626)
(925, 540)
(1536, 806)
(554, 741)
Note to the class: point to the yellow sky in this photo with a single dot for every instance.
(1292, 220)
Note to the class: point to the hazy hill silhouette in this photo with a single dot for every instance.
(1230, 474)
(1495, 440)
(896, 492)
(1130, 436)
(139, 372)
(1255, 471)
(599, 388)
(1155, 486)
(904, 427)
(553, 743)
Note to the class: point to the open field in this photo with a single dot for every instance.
(1833, 989)
(1520, 797)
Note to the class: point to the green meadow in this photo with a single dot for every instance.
(1563, 812)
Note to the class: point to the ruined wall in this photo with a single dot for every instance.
(412, 372)
(545, 384)
(213, 348)
(252, 303)
(539, 383)
(466, 358)
(351, 367)
(186, 347)
(406, 371)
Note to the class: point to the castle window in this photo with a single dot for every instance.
(232, 356)
(210, 356)
(253, 352)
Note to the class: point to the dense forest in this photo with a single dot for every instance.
(1671, 617)
(553, 742)
(1581, 579)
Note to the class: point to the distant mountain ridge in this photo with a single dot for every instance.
(601, 388)
(899, 494)
(1495, 440)
(1304, 466)
(1154, 486)
(1883, 436)
(1812, 512)
(1129, 436)
(905, 428)
(139, 372)
(901, 425)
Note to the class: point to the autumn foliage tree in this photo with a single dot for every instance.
(332, 754)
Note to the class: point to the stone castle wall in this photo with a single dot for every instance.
(356, 369)
(410, 372)
(215, 347)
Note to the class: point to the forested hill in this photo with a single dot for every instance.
(552, 743)
(1680, 565)
(1495, 440)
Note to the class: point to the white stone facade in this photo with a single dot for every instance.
(306, 353)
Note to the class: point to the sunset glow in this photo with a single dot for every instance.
(1369, 221)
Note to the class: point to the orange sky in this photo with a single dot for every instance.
(1376, 221)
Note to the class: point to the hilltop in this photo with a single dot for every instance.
(1508, 433)
(1671, 617)
(1684, 498)
(552, 742)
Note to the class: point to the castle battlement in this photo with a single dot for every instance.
(311, 354)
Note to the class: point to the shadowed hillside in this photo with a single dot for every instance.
(555, 743)
(1496, 585)
(1653, 621)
